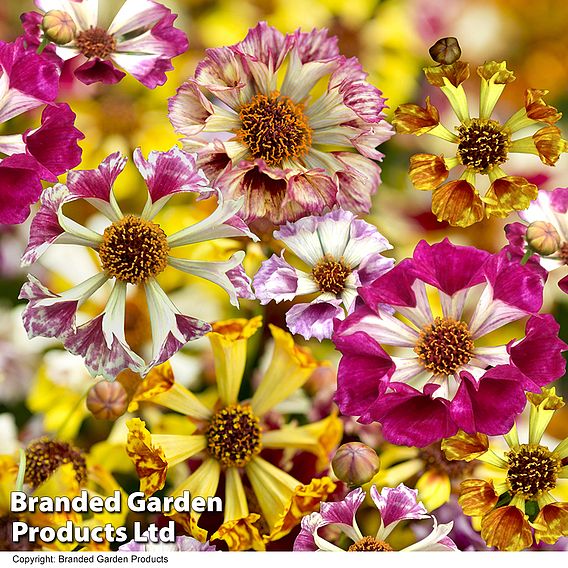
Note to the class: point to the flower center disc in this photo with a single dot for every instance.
(330, 275)
(274, 128)
(234, 436)
(482, 144)
(95, 42)
(370, 544)
(44, 456)
(444, 346)
(134, 250)
(532, 470)
(564, 253)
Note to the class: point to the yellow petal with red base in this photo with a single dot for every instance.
(537, 109)
(414, 119)
(160, 379)
(507, 528)
(549, 144)
(241, 534)
(510, 193)
(477, 497)
(465, 446)
(456, 74)
(553, 519)
(458, 203)
(427, 171)
(496, 72)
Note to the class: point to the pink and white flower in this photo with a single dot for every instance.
(341, 252)
(394, 505)
(133, 250)
(442, 306)
(27, 82)
(141, 39)
(262, 127)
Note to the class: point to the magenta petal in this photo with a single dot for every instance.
(539, 354)
(275, 280)
(398, 504)
(490, 405)
(96, 70)
(563, 284)
(343, 512)
(559, 199)
(314, 319)
(242, 283)
(305, 540)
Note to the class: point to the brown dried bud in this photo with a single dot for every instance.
(445, 51)
(107, 401)
(355, 463)
(58, 27)
(543, 238)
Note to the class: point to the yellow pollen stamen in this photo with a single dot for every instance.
(532, 470)
(274, 128)
(234, 435)
(134, 250)
(44, 456)
(444, 346)
(483, 144)
(95, 42)
(370, 544)
(330, 275)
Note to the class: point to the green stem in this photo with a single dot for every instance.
(44, 43)
(527, 255)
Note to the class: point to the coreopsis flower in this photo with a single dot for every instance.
(133, 250)
(394, 505)
(141, 38)
(341, 252)
(286, 121)
(439, 309)
(230, 437)
(547, 215)
(523, 502)
(27, 82)
(483, 145)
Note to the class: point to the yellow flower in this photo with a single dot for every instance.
(528, 492)
(483, 145)
(230, 437)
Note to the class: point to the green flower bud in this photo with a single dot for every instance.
(543, 238)
(355, 463)
(58, 27)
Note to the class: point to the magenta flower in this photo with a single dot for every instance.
(140, 39)
(341, 252)
(27, 82)
(394, 505)
(133, 250)
(550, 207)
(439, 309)
(263, 114)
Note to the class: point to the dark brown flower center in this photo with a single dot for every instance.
(44, 456)
(330, 275)
(234, 435)
(274, 128)
(444, 346)
(134, 250)
(370, 544)
(563, 251)
(95, 42)
(483, 144)
(532, 470)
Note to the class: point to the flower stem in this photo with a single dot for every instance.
(44, 43)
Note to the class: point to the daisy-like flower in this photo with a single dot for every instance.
(27, 82)
(141, 38)
(483, 145)
(133, 250)
(438, 309)
(395, 505)
(341, 253)
(230, 437)
(286, 121)
(548, 216)
(522, 504)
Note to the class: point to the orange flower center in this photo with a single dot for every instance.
(44, 456)
(274, 128)
(532, 470)
(330, 275)
(134, 250)
(234, 435)
(444, 346)
(95, 42)
(483, 144)
(370, 544)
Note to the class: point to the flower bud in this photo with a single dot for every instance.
(355, 463)
(107, 401)
(543, 238)
(58, 27)
(445, 51)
